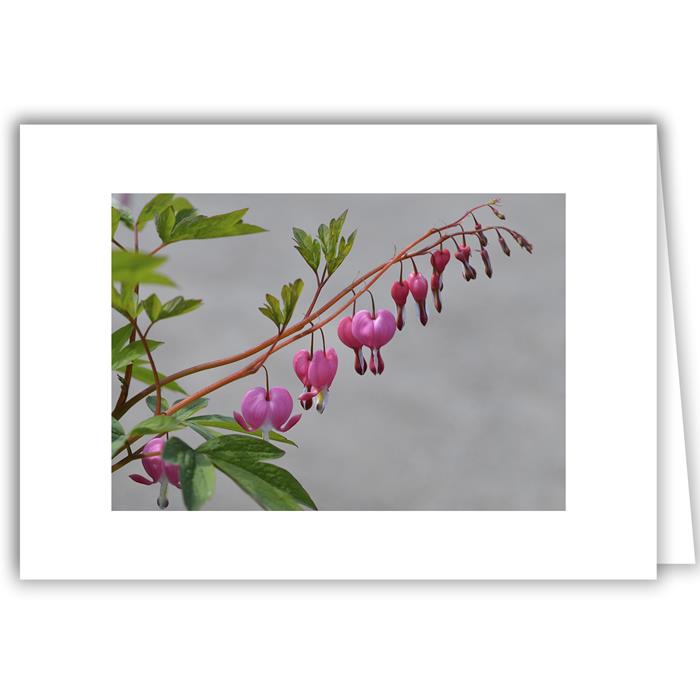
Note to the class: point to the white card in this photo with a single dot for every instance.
(609, 527)
(676, 545)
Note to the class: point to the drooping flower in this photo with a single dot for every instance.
(267, 409)
(487, 261)
(374, 329)
(160, 471)
(419, 291)
(439, 260)
(347, 338)
(399, 293)
(301, 362)
(462, 254)
(319, 371)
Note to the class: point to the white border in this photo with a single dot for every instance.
(609, 176)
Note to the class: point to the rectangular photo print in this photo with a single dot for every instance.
(338, 352)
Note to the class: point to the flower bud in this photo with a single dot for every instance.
(487, 262)
(399, 293)
(419, 290)
(504, 245)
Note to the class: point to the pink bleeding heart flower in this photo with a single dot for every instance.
(160, 471)
(347, 338)
(463, 254)
(301, 362)
(439, 260)
(374, 330)
(320, 374)
(263, 409)
(399, 293)
(419, 291)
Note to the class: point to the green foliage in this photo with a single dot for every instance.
(335, 248)
(118, 436)
(308, 248)
(132, 268)
(153, 208)
(156, 425)
(121, 215)
(192, 408)
(165, 221)
(197, 475)
(142, 372)
(244, 459)
(151, 402)
(125, 301)
(120, 336)
(281, 315)
(193, 226)
(157, 310)
(228, 423)
(125, 356)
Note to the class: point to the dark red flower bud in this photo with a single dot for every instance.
(504, 245)
(399, 293)
(487, 262)
(462, 254)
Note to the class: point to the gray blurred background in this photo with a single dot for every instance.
(469, 413)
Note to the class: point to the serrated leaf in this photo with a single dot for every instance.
(133, 268)
(144, 373)
(153, 208)
(197, 475)
(118, 436)
(125, 356)
(165, 221)
(199, 227)
(120, 337)
(152, 306)
(156, 425)
(152, 400)
(271, 487)
(273, 310)
(125, 301)
(344, 247)
(228, 423)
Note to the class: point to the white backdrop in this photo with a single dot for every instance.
(506, 61)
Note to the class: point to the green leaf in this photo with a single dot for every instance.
(271, 487)
(290, 295)
(228, 423)
(125, 301)
(308, 248)
(239, 448)
(143, 373)
(118, 436)
(206, 433)
(197, 475)
(133, 268)
(120, 336)
(151, 403)
(178, 306)
(153, 208)
(191, 409)
(324, 235)
(273, 310)
(181, 204)
(119, 214)
(199, 227)
(165, 221)
(131, 352)
(156, 425)
(343, 249)
(152, 306)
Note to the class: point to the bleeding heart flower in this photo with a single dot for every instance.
(158, 469)
(319, 375)
(301, 362)
(462, 254)
(399, 293)
(347, 338)
(487, 262)
(374, 330)
(439, 260)
(419, 290)
(265, 409)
